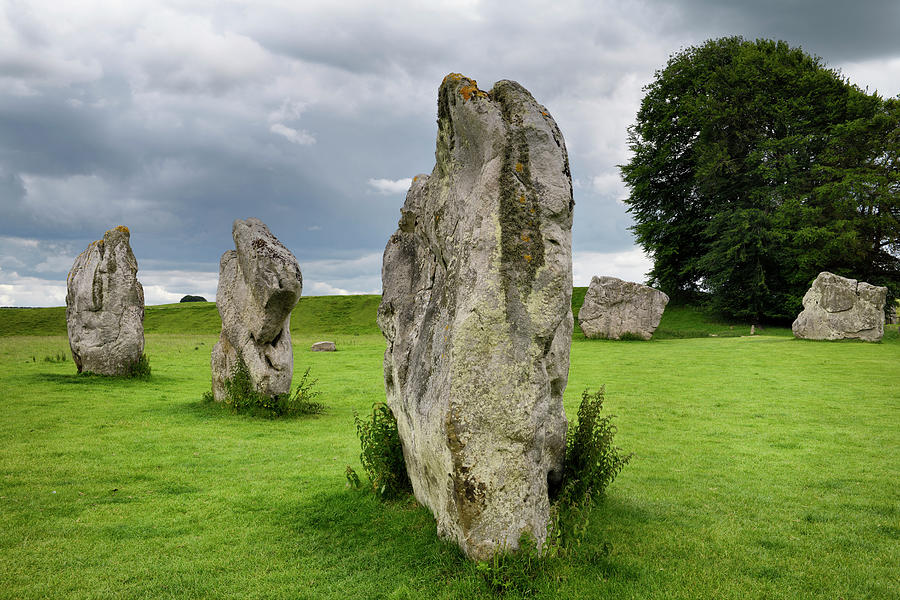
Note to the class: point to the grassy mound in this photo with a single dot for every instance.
(314, 315)
(346, 315)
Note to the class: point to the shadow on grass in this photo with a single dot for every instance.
(397, 543)
(392, 543)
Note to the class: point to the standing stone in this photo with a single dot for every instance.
(259, 285)
(837, 308)
(105, 306)
(613, 308)
(476, 310)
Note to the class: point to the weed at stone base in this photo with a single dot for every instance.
(242, 396)
(382, 454)
(140, 369)
(591, 464)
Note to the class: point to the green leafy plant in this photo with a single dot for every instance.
(592, 459)
(242, 396)
(139, 369)
(518, 572)
(382, 453)
(352, 478)
(592, 463)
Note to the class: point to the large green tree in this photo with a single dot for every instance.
(754, 167)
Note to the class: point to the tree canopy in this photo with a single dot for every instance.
(754, 167)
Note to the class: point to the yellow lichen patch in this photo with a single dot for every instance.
(519, 167)
(532, 210)
(527, 258)
(454, 77)
(522, 198)
(122, 228)
(416, 178)
(525, 238)
(545, 113)
(467, 91)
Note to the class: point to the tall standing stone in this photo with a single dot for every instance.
(614, 307)
(476, 309)
(836, 308)
(259, 285)
(105, 306)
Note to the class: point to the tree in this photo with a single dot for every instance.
(754, 167)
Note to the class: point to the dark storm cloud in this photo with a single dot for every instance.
(836, 30)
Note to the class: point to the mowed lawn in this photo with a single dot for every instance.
(764, 467)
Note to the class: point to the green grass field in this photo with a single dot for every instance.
(765, 467)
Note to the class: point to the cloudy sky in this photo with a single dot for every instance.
(175, 118)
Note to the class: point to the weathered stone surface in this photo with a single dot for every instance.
(323, 347)
(259, 285)
(613, 307)
(838, 308)
(105, 306)
(476, 310)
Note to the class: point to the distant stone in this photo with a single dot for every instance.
(105, 306)
(190, 298)
(476, 310)
(323, 347)
(753, 330)
(259, 285)
(613, 308)
(837, 308)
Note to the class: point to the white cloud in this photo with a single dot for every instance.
(630, 265)
(290, 110)
(59, 263)
(320, 288)
(162, 286)
(610, 185)
(391, 186)
(184, 53)
(29, 65)
(357, 275)
(881, 75)
(20, 242)
(30, 291)
(297, 136)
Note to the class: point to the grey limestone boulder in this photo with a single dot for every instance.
(323, 347)
(105, 306)
(476, 311)
(259, 285)
(836, 308)
(613, 307)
